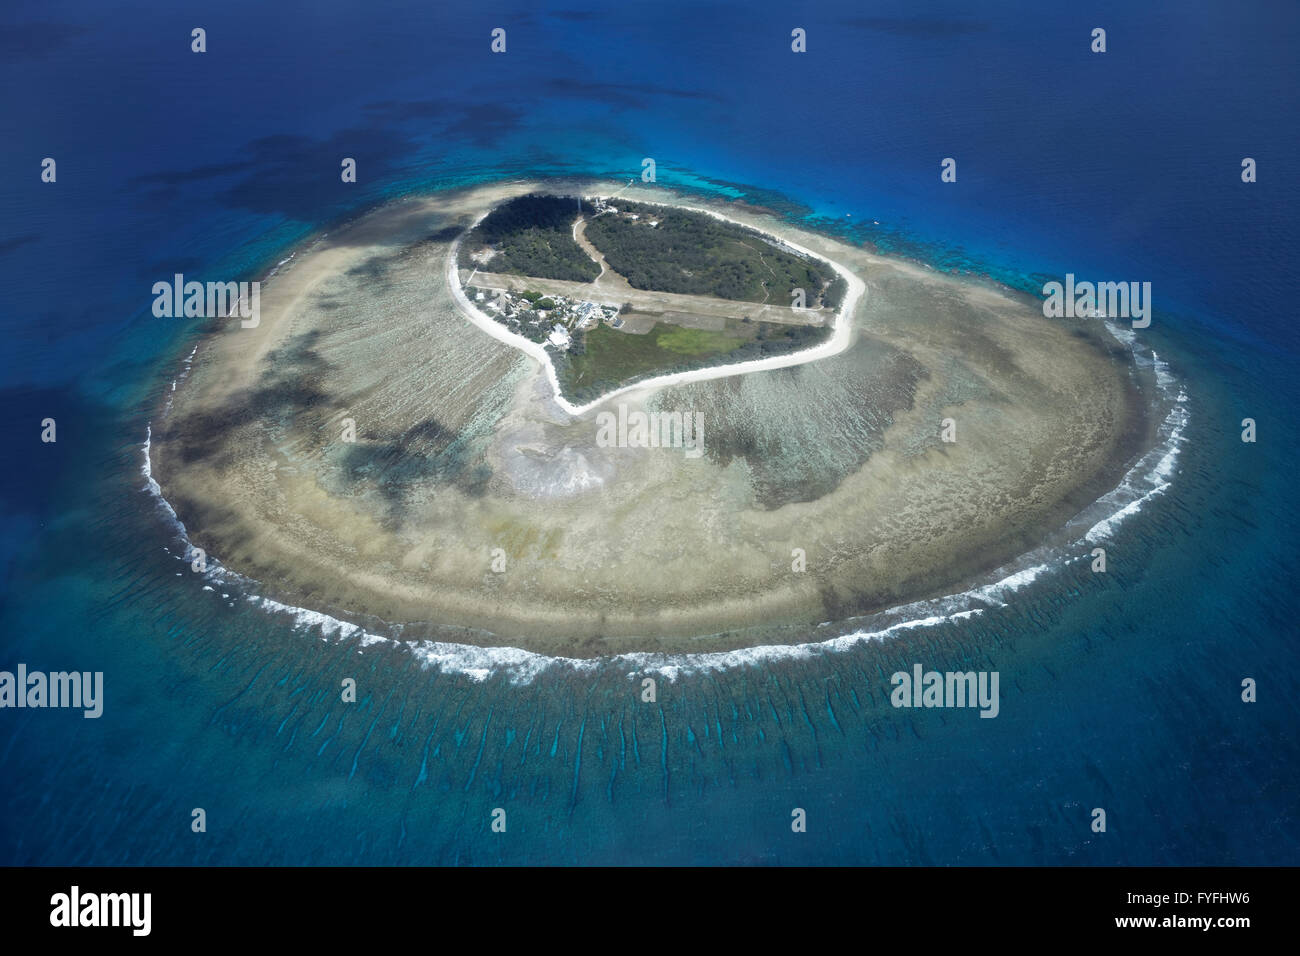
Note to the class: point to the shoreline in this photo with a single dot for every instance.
(838, 341)
(520, 666)
(483, 633)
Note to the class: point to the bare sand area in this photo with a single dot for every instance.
(650, 303)
(473, 507)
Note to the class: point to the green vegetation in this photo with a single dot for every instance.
(541, 302)
(531, 235)
(693, 253)
(659, 249)
(694, 341)
(604, 359)
(833, 298)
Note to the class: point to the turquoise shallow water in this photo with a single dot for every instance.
(1119, 691)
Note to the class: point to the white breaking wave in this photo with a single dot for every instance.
(521, 666)
(1149, 477)
(1153, 471)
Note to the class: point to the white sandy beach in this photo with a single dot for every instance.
(838, 342)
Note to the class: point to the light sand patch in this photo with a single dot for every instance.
(462, 450)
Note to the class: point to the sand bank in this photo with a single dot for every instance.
(473, 506)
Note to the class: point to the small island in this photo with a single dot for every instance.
(382, 440)
(620, 292)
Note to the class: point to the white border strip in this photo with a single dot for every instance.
(837, 343)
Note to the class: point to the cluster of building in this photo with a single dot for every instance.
(602, 206)
(549, 319)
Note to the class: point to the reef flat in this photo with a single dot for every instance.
(369, 451)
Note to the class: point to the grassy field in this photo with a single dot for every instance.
(616, 356)
(697, 342)
(611, 359)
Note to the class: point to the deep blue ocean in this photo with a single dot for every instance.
(1120, 691)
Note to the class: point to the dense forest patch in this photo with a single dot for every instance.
(533, 236)
(663, 249)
